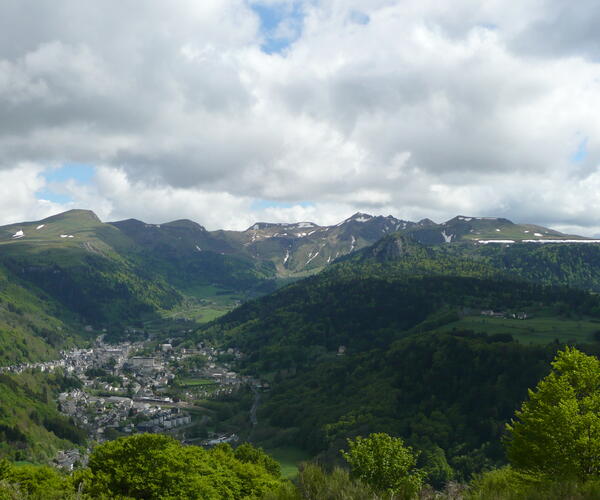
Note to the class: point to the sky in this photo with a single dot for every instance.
(228, 112)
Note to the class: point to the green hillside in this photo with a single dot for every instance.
(563, 264)
(33, 326)
(85, 265)
(188, 257)
(31, 427)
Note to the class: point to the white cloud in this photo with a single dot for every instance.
(416, 108)
(18, 201)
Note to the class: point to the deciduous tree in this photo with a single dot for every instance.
(556, 433)
(385, 464)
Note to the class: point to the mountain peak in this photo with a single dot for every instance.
(257, 226)
(359, 217)
(463, 219)
(76, 213)
(426, 222)
(184, 223)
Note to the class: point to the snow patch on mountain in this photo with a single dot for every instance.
(40, 226)
(485, 242)
(447, 237)
(311, 257)
(18, 234)
(561, 241)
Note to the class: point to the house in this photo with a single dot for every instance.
(492, 314)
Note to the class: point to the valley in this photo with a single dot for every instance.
(295, 337)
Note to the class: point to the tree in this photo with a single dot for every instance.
(556, 433)
(385, 464)
(152, 466)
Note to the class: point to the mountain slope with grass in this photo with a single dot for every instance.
(85, 265)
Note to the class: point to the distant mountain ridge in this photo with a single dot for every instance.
(300, 248)
(281, 249)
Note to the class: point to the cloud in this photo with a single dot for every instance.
(114, 197)
(415, 108)
(18, 201)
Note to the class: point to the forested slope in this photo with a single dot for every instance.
(355, 350)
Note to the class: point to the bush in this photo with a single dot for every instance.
(508, 484)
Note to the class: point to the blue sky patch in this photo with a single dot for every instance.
(280, 25)
(80, 173)
(358, 17)
(581, 153)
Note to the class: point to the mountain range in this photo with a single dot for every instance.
(274, 249)
(371, 324)
(70, 272)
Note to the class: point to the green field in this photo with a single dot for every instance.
(540, 330)
(204, 303)
(199, 313)
(289, 458)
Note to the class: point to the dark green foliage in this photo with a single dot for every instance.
(65, 428)
(451, 391)
(302, 322)
(577, 266)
